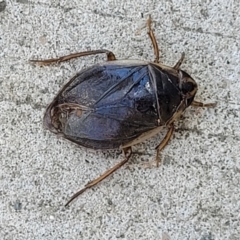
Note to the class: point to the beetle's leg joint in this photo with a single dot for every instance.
(111, 56)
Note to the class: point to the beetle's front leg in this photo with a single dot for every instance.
(127, 154)
(179, 63)
(200, 104)
(110, 57)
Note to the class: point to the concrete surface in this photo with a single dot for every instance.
(194, 194)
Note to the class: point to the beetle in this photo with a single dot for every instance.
(120, 103)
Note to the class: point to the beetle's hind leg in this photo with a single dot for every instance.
(153, 39)
(127, 154)
(110, 57)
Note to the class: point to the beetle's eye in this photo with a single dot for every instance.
(187, 87)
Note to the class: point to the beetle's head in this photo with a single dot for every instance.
(187, 86)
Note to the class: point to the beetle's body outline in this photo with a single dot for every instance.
(78, 113)
(137, 98)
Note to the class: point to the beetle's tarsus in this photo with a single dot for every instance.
(179, 63)
(110, 57)
(127, 154)
(40, 62)
(200, 104)
(153, 39)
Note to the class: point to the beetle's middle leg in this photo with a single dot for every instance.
(161, 146)
(164, 143)
(127, 154)
(110, 57)
(153, 39)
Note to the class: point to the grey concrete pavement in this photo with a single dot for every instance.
(194, 194)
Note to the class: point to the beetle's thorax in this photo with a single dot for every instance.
(175, 91)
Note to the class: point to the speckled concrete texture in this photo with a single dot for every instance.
(194, 194)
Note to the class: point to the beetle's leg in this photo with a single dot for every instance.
(127, 154)
(110, 57)
(160, 147)
(153, 39)
(179, 63)
(200, 104)
(163, 143)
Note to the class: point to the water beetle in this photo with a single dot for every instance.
(119, 103)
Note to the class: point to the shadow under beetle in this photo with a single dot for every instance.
(119, 103)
